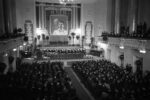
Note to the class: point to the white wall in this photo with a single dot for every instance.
(102, 16)
(129, 56)
(87, 14)
(25, 10)
(95, 11)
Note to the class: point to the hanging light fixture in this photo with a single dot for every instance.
(65, 1)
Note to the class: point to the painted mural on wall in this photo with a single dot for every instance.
(59, 25)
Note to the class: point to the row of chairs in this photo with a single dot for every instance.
(37, 81)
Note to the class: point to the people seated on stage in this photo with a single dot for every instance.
(60, 30)
(64, 53)
(37, 81)
(107, 81)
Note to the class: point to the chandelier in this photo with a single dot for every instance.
(65, 1)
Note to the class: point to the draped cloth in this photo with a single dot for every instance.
(58, 38)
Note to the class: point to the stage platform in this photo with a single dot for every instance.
(58, 40)
(66, 62)
(60, 47)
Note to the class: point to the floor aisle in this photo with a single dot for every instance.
(82, 92)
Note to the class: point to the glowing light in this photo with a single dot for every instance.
(21, 46)
(65, 1)
(133, 28)
(143, 51)
(24, 44)
(14, 49)
(78, 31)
(121, 47)
(102, 45)
(38, 31)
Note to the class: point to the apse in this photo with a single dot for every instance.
(58, 21)
(55, 16)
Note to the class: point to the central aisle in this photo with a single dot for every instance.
(81, 91)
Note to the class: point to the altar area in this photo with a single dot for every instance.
(58, 40)
(63, 52)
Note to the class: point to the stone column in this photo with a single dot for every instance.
(117, 16)
(42, 16)
(14, 55)
(9, 15)
(1, 18)
(132, 15)
(74, 17)
(14, 62)
(5, 60)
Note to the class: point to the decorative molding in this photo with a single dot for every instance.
(132, 43)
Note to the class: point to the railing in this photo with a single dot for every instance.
(10, 43)
(135, 43)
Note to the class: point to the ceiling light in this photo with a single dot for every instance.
(121, 47)
(143, 51)
(24, 44)
(78, 31)
(14, 49)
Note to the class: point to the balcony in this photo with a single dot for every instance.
(135, 43)
(11, 43)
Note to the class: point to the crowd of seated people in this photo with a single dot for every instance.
(107, 81)
(37, 81)
(64, 54)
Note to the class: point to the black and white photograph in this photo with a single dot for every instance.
(74, 49)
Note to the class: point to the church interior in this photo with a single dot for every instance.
(74, 49)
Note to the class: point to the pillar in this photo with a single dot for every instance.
(74, 17)
(14, 62)
(117, 16)
(1, 18)
(14, 54)
(5, 60)
(132, 15)
(9, 15)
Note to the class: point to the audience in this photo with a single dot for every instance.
(49, 81)
(37, 81)
(107, 81)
